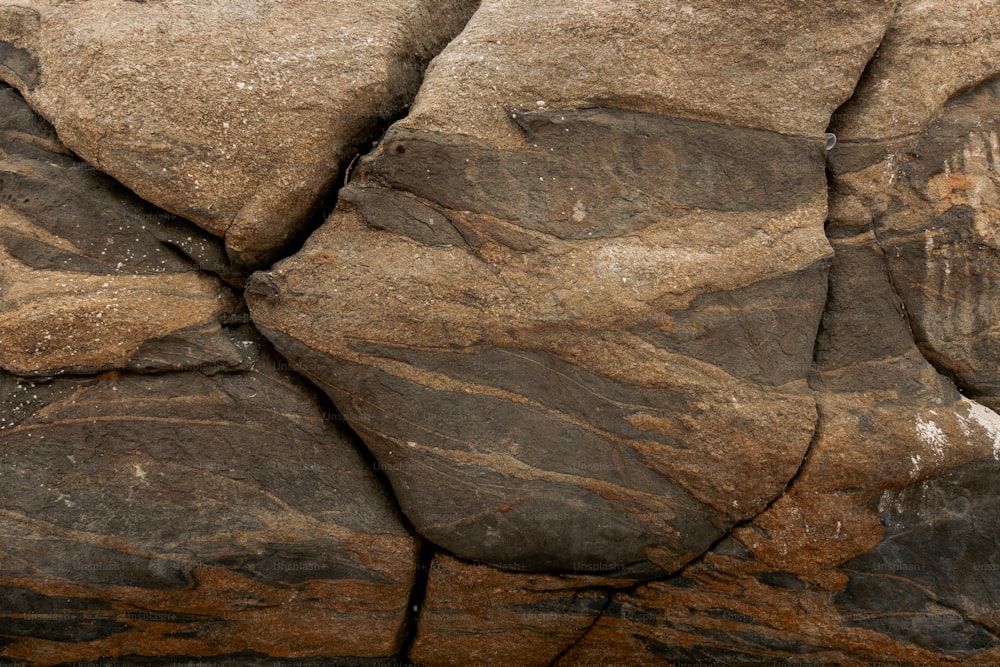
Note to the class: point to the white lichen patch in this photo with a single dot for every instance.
(988, 420)
(931, 434)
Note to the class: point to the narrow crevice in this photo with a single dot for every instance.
(365, 144)
(867, 74)
(327, 198)
(416, 602)
(425, 549)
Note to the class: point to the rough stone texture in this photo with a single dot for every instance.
(935, 211)
(580, 304)
(570, 309)
(192, 515)
(93, 277)
(238, 116)
(479, 614)
(933, 50)
(882, 550)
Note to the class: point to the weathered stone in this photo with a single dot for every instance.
(932, 50)
(91, 276)
(775, 65)
(578, 303)
(571, 309)
(883, 547)
(192, 515)
(476, 614)
(915, 162)
(236, 116)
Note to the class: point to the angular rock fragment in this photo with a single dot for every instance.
(236, 116)
(186, 514)
(570, 309)
(479, 614)
(91, 276)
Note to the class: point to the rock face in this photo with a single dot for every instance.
(150, 515)
(883, 547)
(530, 273)
(637, 372)
(144, 511)
(933, 199)
(236, 116)
(93, 277)
(480, 614)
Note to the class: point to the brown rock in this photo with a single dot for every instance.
(932, 50)
(883, 548)
(191, 515)
(238, 117)
(478, 614)
(775, 65)
(914, 161)
(570, 309)
(91, 276)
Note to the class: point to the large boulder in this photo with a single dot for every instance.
(928, 186)
(570, 303)
(883, 549)
(238, 116)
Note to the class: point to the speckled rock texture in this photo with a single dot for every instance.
(605, 355)
(236, 115)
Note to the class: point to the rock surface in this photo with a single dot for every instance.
(933, 201)
(93, 277)
(238, 116)
(188, 514)
(571, 312)
(656, 379)
(883, 548)
(480, 614)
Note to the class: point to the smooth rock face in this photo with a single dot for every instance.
(238, 116)
(93, 277)
(185, 514)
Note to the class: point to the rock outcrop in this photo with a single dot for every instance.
(606, 355)
(169, 486)
(571, 310)
(91, 276)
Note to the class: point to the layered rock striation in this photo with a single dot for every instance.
(237, 116)
(603, 355)
(571, 311)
